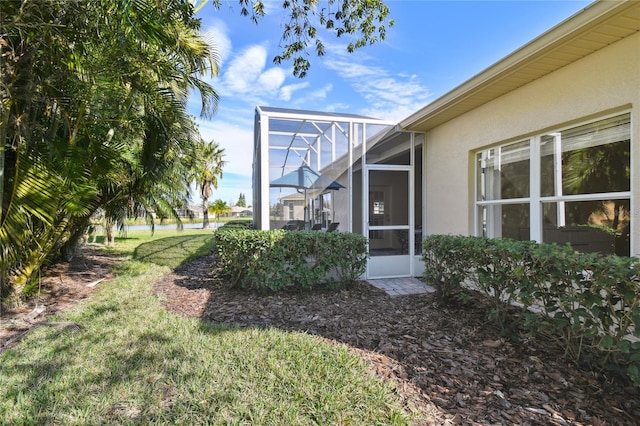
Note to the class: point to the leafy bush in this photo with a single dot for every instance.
(446, 264)
(238, 224)
(589, 304)
(278, 259)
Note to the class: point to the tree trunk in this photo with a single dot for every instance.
(616, 216)
(3, 267)
(2, 141)
(205, 214)
(108, 229)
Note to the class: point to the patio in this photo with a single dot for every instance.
(402, 286)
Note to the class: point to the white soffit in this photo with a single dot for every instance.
(598, 25)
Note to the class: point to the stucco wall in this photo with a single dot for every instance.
(604, 82)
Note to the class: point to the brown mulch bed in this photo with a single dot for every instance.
(443, 361)
(446, 362)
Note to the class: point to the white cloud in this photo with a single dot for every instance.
(237, 141)
(353, 70)
(247, 77)
(236, 137)
(244, 70)
(322, 92)
(217, 36)
(287, 91)
(271, 80)
(339, 106)
(393, 90)
(272, 6)
(390, 96)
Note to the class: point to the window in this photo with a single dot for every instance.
(570, 186)
(503, 190)
(291, 210)
(376, 213)
(326, 209)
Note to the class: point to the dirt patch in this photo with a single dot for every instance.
(62, 287)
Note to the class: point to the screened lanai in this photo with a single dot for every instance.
(302, 161)
(324, 171)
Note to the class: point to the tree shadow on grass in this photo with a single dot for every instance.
(174, 251)
(59, 396)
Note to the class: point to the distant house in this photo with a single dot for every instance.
(292, 207)
(195, 211)
(544, 145)
(237, 211)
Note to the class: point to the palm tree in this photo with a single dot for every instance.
(218, 208)
(93, 117)
(207, 164)
(93, 113)
(41, 180)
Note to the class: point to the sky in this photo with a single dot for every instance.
(433, 47)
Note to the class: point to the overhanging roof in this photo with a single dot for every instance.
(310, 115)
(598, 25)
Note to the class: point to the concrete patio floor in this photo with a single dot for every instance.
(402, 286)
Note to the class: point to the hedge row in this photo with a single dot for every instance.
(238, 224)
(280, 259)
(588, 303)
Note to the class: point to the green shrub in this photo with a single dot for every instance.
(278, 259)
(447, 265)
(238, 224)
(589, 304)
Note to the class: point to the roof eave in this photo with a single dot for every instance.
(574, 26)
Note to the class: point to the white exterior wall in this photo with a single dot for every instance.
(607, 81)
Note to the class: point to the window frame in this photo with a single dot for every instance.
(535, 199)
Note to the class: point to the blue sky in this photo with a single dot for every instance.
(433, 47)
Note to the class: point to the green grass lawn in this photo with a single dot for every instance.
(133, 362)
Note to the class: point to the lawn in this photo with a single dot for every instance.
(134, 362)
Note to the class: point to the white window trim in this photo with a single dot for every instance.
(535, 200)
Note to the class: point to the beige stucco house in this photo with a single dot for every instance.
(546, 139)
(543, 145)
